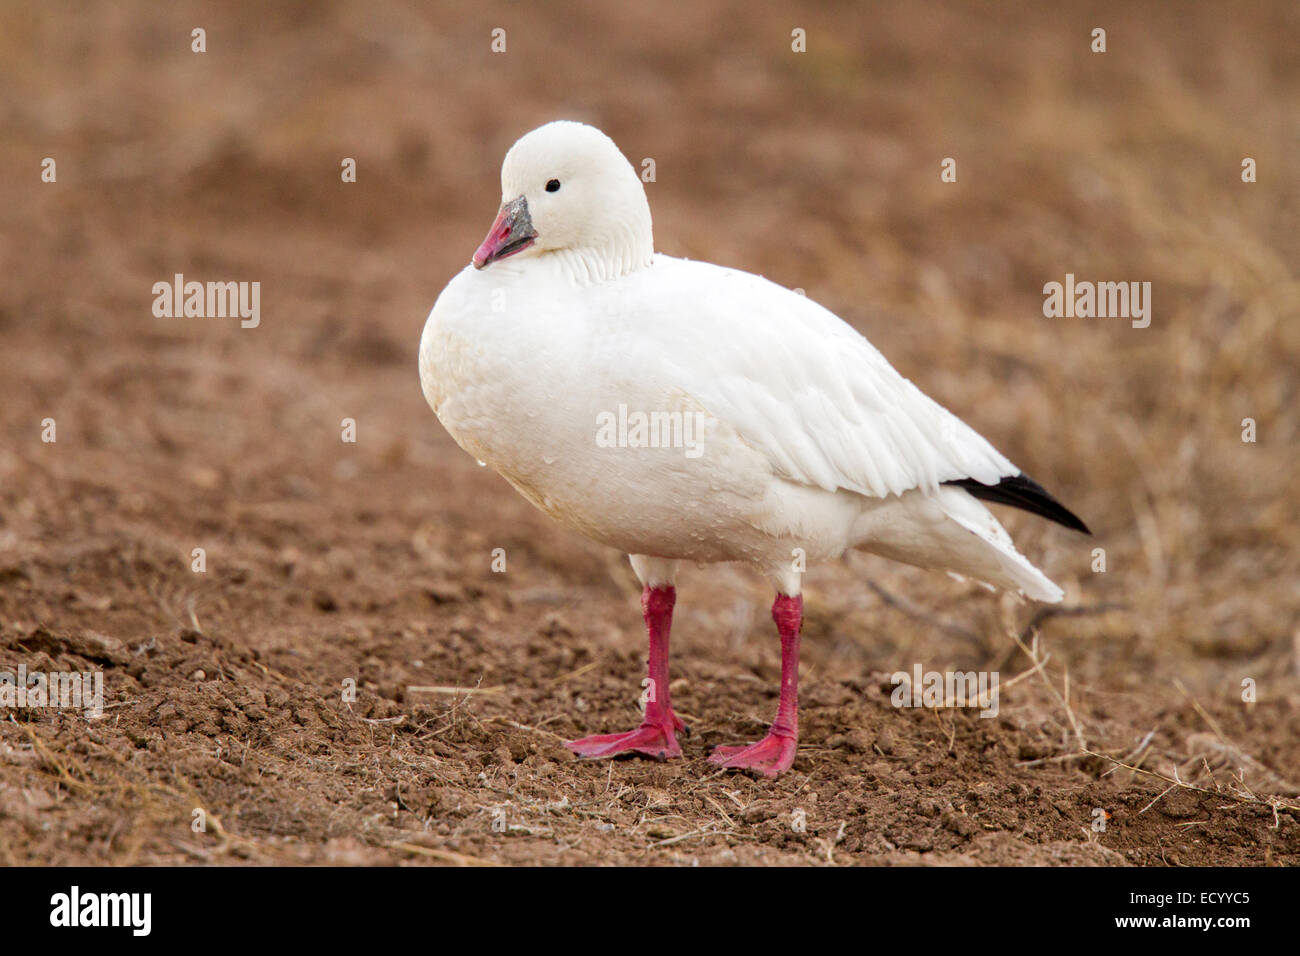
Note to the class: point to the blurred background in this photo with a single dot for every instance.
(819, 169)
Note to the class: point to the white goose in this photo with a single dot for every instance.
(681, 411)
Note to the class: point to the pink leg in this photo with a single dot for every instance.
(775, 753)
(655, 735)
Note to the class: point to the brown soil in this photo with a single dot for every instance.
(371, 561)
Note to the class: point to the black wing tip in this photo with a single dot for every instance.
(1021, 491)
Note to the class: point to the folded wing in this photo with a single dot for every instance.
(816, 397)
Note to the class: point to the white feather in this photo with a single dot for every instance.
(811, 439)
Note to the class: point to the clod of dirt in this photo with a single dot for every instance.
(91, 645)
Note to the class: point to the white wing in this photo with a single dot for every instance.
(803, 386)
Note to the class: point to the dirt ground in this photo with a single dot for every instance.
(370, 561)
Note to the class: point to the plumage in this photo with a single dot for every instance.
(808, 440)
(1021, 491)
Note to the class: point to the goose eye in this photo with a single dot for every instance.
(553, 186)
